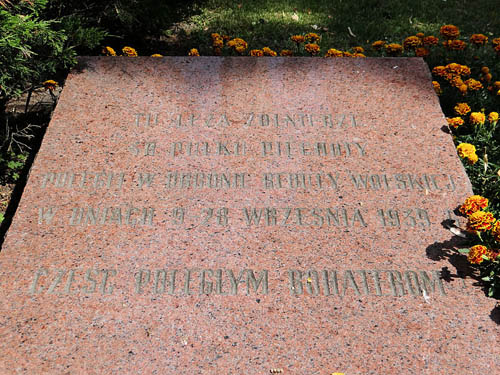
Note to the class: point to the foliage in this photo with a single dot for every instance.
(12, 164)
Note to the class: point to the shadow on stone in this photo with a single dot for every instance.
(495, 314)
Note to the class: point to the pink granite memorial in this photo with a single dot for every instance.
(241, 215)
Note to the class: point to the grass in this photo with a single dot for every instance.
(342, 24)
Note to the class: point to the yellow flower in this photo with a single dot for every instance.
(493, 117)
(286, 52)
(312, 48)
(108, 51)
(378, 44)
(50, 84)
(455, 45)
(437, 87)
(332, 52)
(454, 68)
(269, 52)
(256, 53)
(238, 44)
(449, 31)
(394, 48)
(455, 122)
(430, 40)
(473, 204)
(439, 70)
(476, 253)
(298, 39)
(473, 85)
(479, 39)
(462, 109)
(463, 88)
(218, 43)
(156, 55)
(480, 221)
(193, 52)
(357, 54)
(412, 42)
(358, 49)
(312, 37)
(129, 51)
(477, 118)
(467, 151)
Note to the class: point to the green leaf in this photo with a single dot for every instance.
(463, 251)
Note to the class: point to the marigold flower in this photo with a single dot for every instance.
(480, 221)
(394, 48)
(456, 81)
(463, 89)
(238, 44)
(412, 42)
(496, 41)
(358, 54)
(465, 149)
(193, 52)
(298, 39)
(449, 32)
(487, 77)
(419, 35)
(485, 70)
(269, 52)
(215, 36)
(493, 117)
(217, 51)
(473, 204)
(332, 52)
(256, 53)
(497, 49)
(347, 54)
(455, 122)
(473, 85)
(477, 118)
(430, 40)
(156, 55)
(478, 39)
(455, 44)
(129, 51)
(286, 52)
(454, 68)
(437, 87)
(476, 253)
(496, 231)
(312, 48)
(108, 51)
(422, 52)
(218, 43)
(312, 37)
(462, 109)
(378, 44)
(358, 49)
(50, 84)
(496, 84)
(439, 70)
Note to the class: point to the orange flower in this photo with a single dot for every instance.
(286, 52)
(238, 44)
(480, 221)
(312, 37)
(50, 85)
(357, 54)
(422, 52)
(473, 204)
(412, 42)
(455, 45)
(312, 48)
(430, 41)
(497, 49)
(393, 48)
(493, 117)
(156, 55)
(358, 49)
(437, 87)
(332, 52)
(496, 231)
(419, 35)
(439, 70)
(378, 44)
(496, 41)
(298, 39)
(193, 52)
(129, 51)
(108, 51)
(256, 53)
(476, 253)
(455, 122)
(477, 118)
(449, 32)
(473, 85)
(462, 109)
(479, 39)
(269, 52)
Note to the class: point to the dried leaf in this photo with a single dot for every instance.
(458, 232)
(350, 32)
(295, 17)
